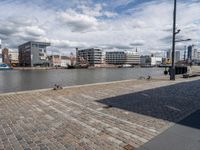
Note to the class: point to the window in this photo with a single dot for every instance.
(34, 45)
(42, 46)
(41, 54)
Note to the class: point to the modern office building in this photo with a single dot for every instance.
(198, 55)
(116, 58)
(145, 60)
(192, 53)
(33, 54)
(169, 54)
(122, 57)
(92, 57)
(177, 56)
(132, 58)
(150, 60)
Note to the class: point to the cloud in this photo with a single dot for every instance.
(114, 24)
(65, 44)
(78, 22)
(34, 31)
(96, 11)
(13, 29)
(138, 43)
(85, 18)
(116, 46)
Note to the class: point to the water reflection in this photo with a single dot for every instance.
(15, 80)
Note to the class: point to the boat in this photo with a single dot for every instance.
(127, 66)
(83, 66)
(70, 66)
(5, 67)
(77, 66)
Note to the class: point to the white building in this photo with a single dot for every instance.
(55, 60)
(156, 61)
(13, 57)
(151, 60)
(92, 56)
(121, 58)
(177, 56)
(65, 61)
(132, 58)
(103, 59)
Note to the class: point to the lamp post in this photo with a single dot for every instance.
(172, 70)
(183, 40)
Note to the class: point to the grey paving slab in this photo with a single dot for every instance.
(185, 135)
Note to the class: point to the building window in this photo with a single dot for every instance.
(34, 45)
(42, 46)
(41, 54)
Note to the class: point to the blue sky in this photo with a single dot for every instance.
(108, 24)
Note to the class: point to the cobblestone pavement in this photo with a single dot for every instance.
(74, 118)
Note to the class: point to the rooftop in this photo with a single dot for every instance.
(36, 42)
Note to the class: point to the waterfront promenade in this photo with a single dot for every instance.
(115, 115)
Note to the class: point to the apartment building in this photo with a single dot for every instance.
(92, 56)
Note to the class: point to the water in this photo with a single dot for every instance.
(17, 80)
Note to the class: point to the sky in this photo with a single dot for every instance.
(107, 24)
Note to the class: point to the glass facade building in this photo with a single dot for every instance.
(33, 54)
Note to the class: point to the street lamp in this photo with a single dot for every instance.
(178, 31)
(183, 40)
(172, 70)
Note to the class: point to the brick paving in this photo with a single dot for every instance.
(94, 116)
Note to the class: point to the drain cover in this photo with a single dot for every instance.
(129, 147)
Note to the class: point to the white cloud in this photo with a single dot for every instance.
(147, 26)
(35, 31)
(96, 11)
(65, 44)
(78, 22)
(19, 29)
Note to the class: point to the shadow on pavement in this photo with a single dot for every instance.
(171, 103)
(192, 120)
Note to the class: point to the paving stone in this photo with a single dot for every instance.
(118, 115)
